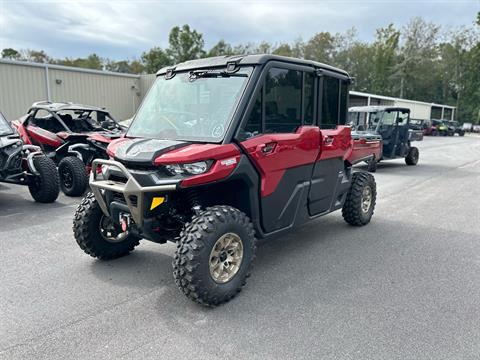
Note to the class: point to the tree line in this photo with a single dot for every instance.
(419, 61)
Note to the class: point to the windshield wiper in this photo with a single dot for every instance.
(196, 74)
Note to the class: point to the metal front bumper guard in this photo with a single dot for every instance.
(129, 189)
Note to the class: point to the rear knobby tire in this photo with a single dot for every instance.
(73, 176)
(193, 259)
(412, 156)
(86, 230)
(354, 211)
(44, 187)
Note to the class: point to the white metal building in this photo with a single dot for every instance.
(418, 109)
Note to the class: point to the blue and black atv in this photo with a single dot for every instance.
(392, 124)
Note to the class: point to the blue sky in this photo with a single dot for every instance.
(123, 29)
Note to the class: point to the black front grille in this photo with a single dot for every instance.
(117, 178)
(118, 197)
(134, 200)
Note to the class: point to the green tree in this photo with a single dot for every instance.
(264, 48)
(385, 48)
(154, 59)
(92, 61)
(185, 44)
(137, 67)
(35, 56)
(11, 54)
(412, 76)
(244, 49)
(122, 66)
(221, 48)
(283, 50)
(320, 47)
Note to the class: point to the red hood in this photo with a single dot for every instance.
(156, 151)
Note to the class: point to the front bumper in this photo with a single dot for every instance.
(135, 194)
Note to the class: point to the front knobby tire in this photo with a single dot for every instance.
(360, 203)
(202, 271)
(412, 156)
(73, 176)
(90, 231)
(44, 187)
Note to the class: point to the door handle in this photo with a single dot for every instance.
(268, 148)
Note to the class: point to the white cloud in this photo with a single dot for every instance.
(123, 29)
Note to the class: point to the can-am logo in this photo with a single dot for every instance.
(139, 148)
(228, 162)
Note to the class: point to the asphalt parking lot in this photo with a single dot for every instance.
(407, 286)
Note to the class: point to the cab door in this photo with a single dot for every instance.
(329, 180)
(281, 140)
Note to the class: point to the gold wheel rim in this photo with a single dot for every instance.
(366, 199)
(226, 258)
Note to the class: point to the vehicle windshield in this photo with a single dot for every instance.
(80, 120)
(5, 128)
(190, 107)
(358, 120)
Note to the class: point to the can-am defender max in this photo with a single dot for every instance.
(26, 165)
(223, 151)
(72, 135)
(392, 125)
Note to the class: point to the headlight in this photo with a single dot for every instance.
(195, 168)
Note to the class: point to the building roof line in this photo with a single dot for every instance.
(382, 97)
(67, 68)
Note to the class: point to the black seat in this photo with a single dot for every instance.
(68, 120)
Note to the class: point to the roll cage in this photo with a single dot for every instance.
(61, 121)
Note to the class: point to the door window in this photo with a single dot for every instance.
(402, 118)
(253, 127)
(283, 100)
(330, 102)
(343, 101)
(309, 100)
(389, 118)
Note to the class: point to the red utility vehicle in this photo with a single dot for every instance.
(72, 135)
(224, 151)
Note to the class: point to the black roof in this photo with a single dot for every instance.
(259, 59)
(375, 108)
(58, 106)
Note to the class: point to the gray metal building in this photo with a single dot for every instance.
(23, 83)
